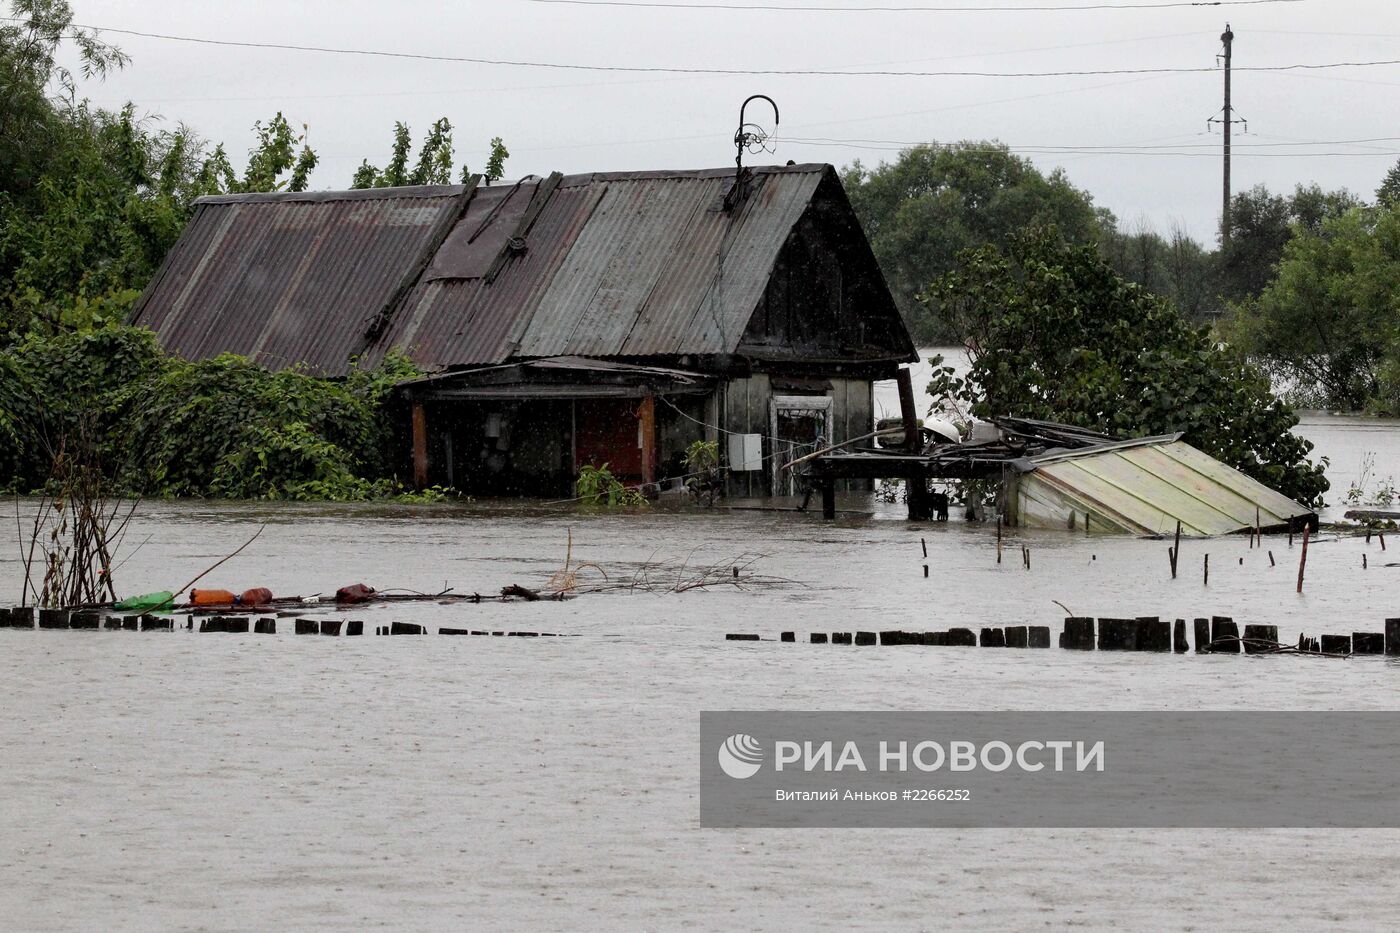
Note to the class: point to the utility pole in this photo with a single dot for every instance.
(1228, 39)
(1226, 121)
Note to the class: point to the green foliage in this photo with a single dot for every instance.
(1388, 194)
(596, 485)
(495, 161)
(1329, 322)
(1369, 489)
(701, 455)
(434, 163)
(1056, 334)
(109, 201)
(933, 202)
(32, 125)
(91, 200)
(702, 463)
(220, 427)
(275, 154)
(1262, 224)
(1177, 267)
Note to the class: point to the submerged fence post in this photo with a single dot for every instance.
(1078, 634)
(1176, 548)
(1258, 633)
(1336, 644)
(1153, 634)
(1367, 643)
(1224, 627)
(1303, 557)
(828, 499)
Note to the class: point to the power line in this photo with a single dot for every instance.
(769, 72)
(893, 146)
(626, 83)
(1115, 146)
(769, 7)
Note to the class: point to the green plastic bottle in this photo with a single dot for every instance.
(147, 602)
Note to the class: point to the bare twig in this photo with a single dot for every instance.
(223, 560)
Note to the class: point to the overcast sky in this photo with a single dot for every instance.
(597, 121)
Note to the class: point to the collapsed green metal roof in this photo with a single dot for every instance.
(1146, 486)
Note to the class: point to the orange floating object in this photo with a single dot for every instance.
(211, 598)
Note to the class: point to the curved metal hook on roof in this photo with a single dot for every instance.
(743, 139)
(491, 214)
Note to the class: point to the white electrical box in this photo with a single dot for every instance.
(746, 452)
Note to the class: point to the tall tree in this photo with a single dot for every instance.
(1388, 193)
(433, 165)
(934, 201)
(1261, 224)
(1329, 323)
(1176, 267)
(274, 155)
(1056, 334)
(36, 91)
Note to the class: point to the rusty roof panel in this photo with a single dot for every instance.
(452, 322)
(658, 270)
(291, 279)
(613, 264)
(482, 233)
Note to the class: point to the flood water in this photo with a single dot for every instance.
(187, 781)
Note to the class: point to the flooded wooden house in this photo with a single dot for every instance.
(599, 318)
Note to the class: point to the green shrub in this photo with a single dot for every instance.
(596, 485)
(221, 427)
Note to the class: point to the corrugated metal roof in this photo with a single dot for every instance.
(1145, 487)
(631, 264)
(292, 279)
(616, 264)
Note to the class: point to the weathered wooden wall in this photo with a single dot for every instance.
(744, 404)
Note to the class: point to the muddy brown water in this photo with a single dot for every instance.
(187, 781)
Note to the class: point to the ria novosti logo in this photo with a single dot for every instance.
(740, 756)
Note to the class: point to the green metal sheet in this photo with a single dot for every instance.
(1146, 488)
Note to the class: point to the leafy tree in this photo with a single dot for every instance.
(1176, 268)
(35, 90)
(1056, 334)
(107, 205)
(1261, 224)
(274, 154)
(433, 165)
(933, 202)
(1330, 321)
(1388, 194)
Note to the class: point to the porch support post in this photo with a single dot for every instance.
(420, 446)
(920, 506)
(646, 418)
